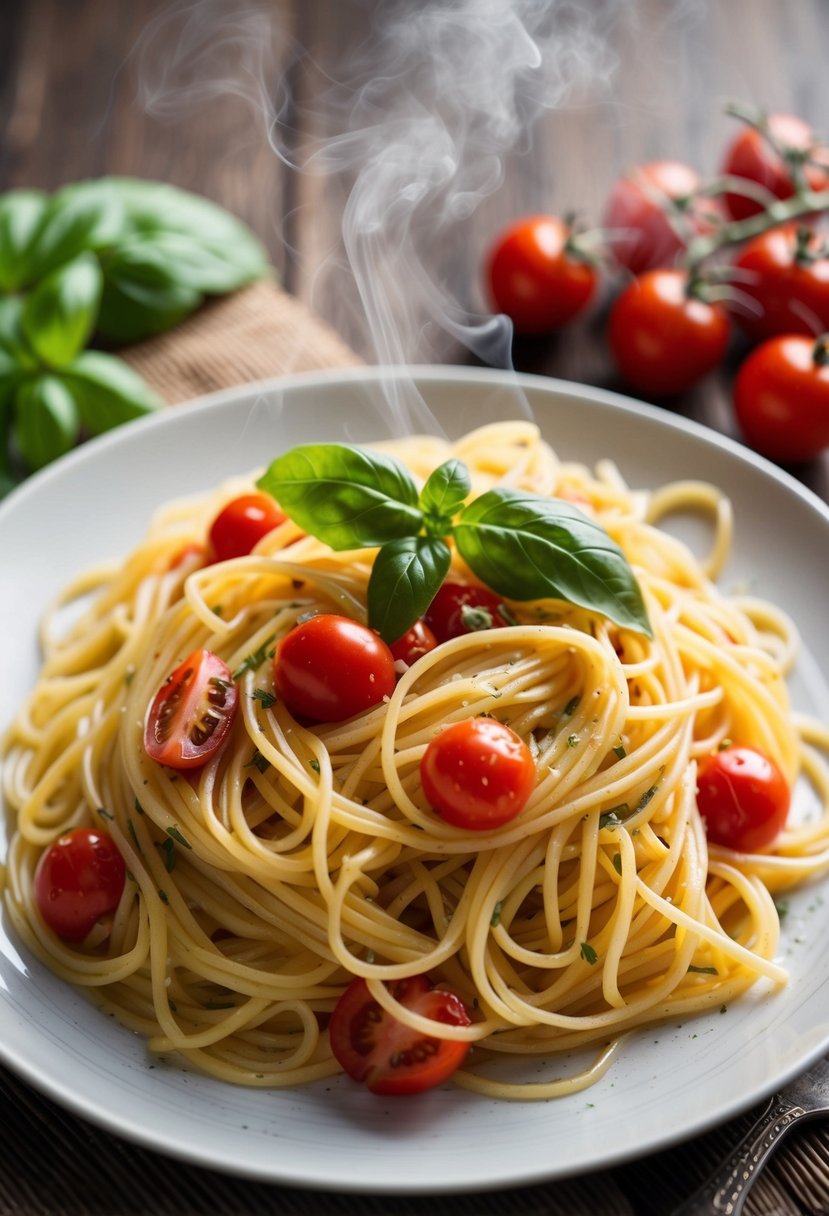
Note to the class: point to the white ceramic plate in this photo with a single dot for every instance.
(668, 1084)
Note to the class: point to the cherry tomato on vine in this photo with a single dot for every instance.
(477, 774)
(750, 155)
(416, 642)
(390, 1058)
(329, 668)
(781, 398)
(79, 879)
(192, 712)
(663, 335)
(653, 212)
(785, 274)
(242, 523)
(743, 798)
(460, 608)
(537, 275)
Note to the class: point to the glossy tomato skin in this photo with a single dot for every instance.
(192, 712)
(537, 278)
(663, 339)
(781, 399)
(751, 156)
(329, 668)
(375, 1048)
(653, 212)
(79, 879)
(460, 608)
(415, 642)
(241, 524)
(743, 798)
(477, 774)
(786, 278)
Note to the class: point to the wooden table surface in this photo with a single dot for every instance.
(291, 114)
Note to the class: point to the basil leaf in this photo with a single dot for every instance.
(82, 217)
(46, 422)
(142, 294)
(347, 497)
(528, 547)
(187, 260)
(404, 578)
(21, 213)
(59, 314)
(443, 495)
(12, 339)
(107, 391)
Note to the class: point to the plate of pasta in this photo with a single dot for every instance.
(370, 784)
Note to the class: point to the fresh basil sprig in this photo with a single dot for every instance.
(522, 545)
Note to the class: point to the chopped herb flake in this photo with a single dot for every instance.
(617, 862)
(703, 970)
(619, 751)
(134, 837)
(315, 765)
(104, 813)
(613, 817)
(588, 953)
(168, 849)
(573, 740)
(255, 659)
(162, 895)
(495, 919)
(176, 835)
(257, 760)
(646, 797)
(571, 706)
(267, 699)
(139, 810)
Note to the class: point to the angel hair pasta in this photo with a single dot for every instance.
(301, 880)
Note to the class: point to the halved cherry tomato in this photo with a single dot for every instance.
(242, 523)
(752, 156)
(373, 1047)
(653, 212)
(79, 879)
(781, 398)
(664, 337)
(460, 608)
(329, 668)
(537, 276)
(477, 774)
(416, 642)
(785, 273)
(192, 712)
(743, 798)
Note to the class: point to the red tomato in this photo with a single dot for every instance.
(537, 276)
(416, 642)
(653, 212)
(781, 397)
(785, 272)
(79, 879)
(191, 712)
(752, 156)
(477, 774)
(460, 608)
(743, 798)
(372, 1046)
(664, 337)
(240, 525)
(329, 668)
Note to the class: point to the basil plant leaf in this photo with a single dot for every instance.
(528, 547)
(444, 494)
(46, 422)
(348, 497)
(12, 338)
(86, 216)
(21, 213)
(59, 314)
(404, 579)
(143, 294)
(107, 391)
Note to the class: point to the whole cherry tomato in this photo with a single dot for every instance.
(416, 642)
(373, 1047)
(785, 274)
(477, 774)
(743, 798)
(241, 524)
(754, 156)
(79, 879)
(781, 397)
(460, 608)
(537, 275)
(192, 712)
(663, 335)
(329, 668)
(653, 212)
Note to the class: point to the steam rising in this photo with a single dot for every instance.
(418, 125)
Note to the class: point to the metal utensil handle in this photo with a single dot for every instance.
(724, 1192)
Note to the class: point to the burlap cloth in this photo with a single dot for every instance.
(54, 1164)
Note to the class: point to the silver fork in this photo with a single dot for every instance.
(723, 1194)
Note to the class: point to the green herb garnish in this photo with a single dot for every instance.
(588, 953)
(258, 761)
(495, 919)
(177, 836)
(254, 660)
(265, 698)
